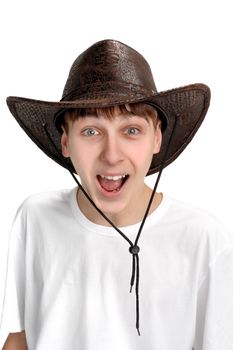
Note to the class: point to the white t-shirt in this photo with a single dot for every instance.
(68, 279)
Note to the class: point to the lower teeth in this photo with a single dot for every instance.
(117, 190)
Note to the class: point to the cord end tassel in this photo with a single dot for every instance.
(134, 250)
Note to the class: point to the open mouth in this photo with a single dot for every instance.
(112, 183)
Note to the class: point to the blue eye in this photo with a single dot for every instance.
(90, 132)
(132, 131)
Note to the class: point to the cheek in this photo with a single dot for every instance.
(142, 157)
(78, 160)
(81, 159)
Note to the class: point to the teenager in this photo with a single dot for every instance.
(75, 255)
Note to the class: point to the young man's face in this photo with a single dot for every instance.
(112, 158)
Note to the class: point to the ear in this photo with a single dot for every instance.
(64, 144)
(157, 138)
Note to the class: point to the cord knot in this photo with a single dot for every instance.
(134, 249)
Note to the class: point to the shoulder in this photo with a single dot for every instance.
(192, 213)
(42, 212)
(45, 202)
(200, 223)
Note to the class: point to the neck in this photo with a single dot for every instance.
(127, 217)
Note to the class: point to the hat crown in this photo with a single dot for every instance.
(106, 66)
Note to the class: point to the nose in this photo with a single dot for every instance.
(112, 151)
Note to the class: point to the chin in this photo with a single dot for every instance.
(112, 208)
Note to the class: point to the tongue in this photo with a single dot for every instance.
(110, 185)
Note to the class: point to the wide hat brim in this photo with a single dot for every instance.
(188, 105)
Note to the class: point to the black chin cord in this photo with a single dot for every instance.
(134, 248)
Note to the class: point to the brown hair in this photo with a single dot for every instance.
(141, 109)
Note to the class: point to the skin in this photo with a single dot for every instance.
(117, 146)
(16, 341)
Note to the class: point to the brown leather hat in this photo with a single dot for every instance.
(111, 73)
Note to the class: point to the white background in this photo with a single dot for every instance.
(184, 42)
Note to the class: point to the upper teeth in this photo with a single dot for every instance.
(114, 178)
